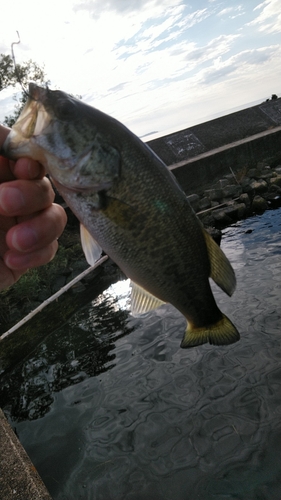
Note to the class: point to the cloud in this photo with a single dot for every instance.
(239, 63)
(232, 12)
(213, 49)
(123, 7)
(269, 19)
(117, 88)
(159, 30)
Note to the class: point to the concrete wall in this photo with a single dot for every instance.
(200, 155)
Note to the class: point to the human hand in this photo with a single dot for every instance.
(30, 222)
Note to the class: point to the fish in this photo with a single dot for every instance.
(131, 207)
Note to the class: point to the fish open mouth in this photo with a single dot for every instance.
(33, 120)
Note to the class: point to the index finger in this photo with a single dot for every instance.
(28, 169)
(6, 173)
(23, 168)
(4, 132)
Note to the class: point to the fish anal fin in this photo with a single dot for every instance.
(142, 301)
(221, 270)
(221, 333)
(91, 248)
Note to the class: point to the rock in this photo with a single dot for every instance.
(215, 233)
(278, 169)
(245, 181)
(245, 199)
(266, 175)
(66, 271)
(253, 172)
(15, 313)
(80, 266)
(241, 210)
(259, 186)
(232, 211)
(232, 191)
(276, 180)
(43, 295)
(273, 188)
(78, 287)
(214, 194)
(274, 200)
(221, 217)
(247, 188)
(207, 220)
(261, 164)
(222, 183)
(204, 204)
(193, 199)
(259, 204)
(59, 283)
(229, 177)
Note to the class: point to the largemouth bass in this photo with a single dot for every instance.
(129, 205)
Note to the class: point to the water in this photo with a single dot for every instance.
(110, 407)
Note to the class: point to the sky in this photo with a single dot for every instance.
(155, 65)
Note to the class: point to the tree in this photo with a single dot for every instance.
(22, 73)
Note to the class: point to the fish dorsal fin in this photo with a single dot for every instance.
(91, 248)
(142, 301)
(221, 269)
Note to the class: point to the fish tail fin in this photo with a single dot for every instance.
(221, 333)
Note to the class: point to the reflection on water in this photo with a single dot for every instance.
(110, 407)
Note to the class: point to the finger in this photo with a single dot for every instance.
(26, 168)
(8, 276)
(22, 261)
(37, 232)
(6, 173)
(4, 132)
(23, 197)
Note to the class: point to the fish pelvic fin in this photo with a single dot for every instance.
(221, 333)
(221, 270)
(91, 248)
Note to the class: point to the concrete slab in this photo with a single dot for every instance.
(19, 479)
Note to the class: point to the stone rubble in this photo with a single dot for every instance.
(231, 199)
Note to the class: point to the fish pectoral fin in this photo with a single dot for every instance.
(221, 270)
(221, 333)
(91, 248)
(142, 301)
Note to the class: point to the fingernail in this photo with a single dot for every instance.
(24, 238)
(34, 170)
(11, 200)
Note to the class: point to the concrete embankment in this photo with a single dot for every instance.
(198, 156)
(19, 479)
